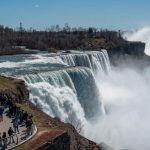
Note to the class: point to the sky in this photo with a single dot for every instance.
(41, 14)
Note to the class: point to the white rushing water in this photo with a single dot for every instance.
(142, 35)
(58, 102)
(97, 61)
(78, 83)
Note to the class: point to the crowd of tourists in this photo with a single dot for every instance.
(18, 117)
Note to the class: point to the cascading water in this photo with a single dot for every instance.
(97, 61)
(58, 102)
(17, 65)
(81, 84)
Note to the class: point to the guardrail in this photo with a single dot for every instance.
(4, 142)
(14, 141)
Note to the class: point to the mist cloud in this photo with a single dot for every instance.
(127, 101)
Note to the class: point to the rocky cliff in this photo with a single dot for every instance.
(128, 48)
(14, 89)
(129, 52)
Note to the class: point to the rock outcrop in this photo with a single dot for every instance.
(14, 89)
(128, 48)
(129, 52)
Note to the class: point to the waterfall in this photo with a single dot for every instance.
(64, 85)
(95, 60)
(60, 102)
(66, 93)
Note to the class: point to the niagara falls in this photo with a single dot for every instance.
(74, 75)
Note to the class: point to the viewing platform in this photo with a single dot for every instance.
(17, 138)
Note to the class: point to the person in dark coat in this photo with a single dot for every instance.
(4, 139)
(10, 133)
(25, 116)
(16, 125)
(1, 112)
(0, 140)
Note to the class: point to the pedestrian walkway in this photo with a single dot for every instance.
(18, 138)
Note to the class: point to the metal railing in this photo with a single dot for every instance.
(5, 142)
(13, 141)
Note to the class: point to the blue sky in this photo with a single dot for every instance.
(40, 14)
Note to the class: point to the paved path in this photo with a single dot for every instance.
(20, 138)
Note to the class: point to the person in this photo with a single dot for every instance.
(29, 124)
(1, 112)
(4, 139)
(21, 116)
(11, 110)
(24, 117)
(16, 125)
(0, 140)
(14, 109)
(10, 133)
(18, 114)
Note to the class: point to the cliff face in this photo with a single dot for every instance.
(128, 48)
(128, 51)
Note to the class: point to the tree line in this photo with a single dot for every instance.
(56, 38)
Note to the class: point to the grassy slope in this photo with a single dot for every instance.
(6, 83)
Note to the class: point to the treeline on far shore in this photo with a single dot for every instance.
(56, 38)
